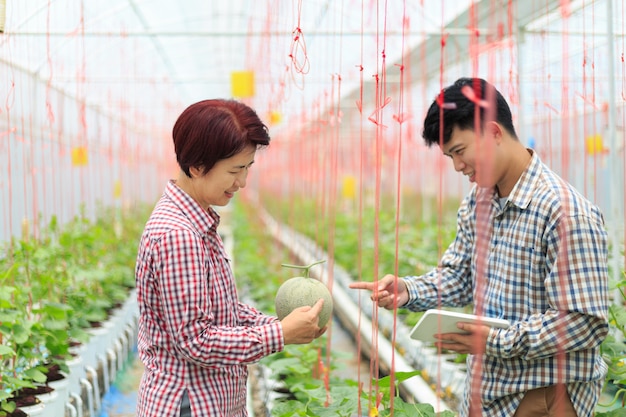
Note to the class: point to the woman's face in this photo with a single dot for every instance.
(219, 185)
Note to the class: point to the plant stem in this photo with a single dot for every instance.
(305, 268)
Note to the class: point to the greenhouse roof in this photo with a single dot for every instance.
(148, 57)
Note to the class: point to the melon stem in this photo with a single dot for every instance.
(305, 268)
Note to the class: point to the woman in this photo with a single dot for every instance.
(195, 337)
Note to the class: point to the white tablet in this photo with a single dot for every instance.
(443, 321)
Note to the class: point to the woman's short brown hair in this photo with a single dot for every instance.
(212, 130)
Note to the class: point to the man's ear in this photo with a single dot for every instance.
(495, 131)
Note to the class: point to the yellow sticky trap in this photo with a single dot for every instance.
(348, 189)
(117, 189)
(3, 14)
(79, 156)
(594, 144)
(275, 117)
(242, 84)
(25, 229)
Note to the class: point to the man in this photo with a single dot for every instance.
(530, 249)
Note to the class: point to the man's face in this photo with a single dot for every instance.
(472, 155)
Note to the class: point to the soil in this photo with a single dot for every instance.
(23, 400)
(28, 396)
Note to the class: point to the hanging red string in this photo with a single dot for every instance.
(622, 128)
(10, 134)
(398, 117)
(361, 193)
(298, 53)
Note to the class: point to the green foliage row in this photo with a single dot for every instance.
(57, 285)
(313, 388)
(313, 391)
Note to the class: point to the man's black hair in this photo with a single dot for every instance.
(458, 104)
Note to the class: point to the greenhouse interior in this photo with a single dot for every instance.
(115, 302)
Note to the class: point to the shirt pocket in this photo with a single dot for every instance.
(520, 264)
(509, 272)
(516, 257)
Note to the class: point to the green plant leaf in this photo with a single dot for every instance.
(6, 351)
(385, 382)
(620, 412)
(9, 406)
(36, 374)
(288, 409)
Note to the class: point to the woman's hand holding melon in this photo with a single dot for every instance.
(304, 306)
(301, 325)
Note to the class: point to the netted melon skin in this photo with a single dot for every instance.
(300, 291)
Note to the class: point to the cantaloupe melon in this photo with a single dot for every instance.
(303, 291)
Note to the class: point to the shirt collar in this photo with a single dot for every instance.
(203, 220)
(523, 191)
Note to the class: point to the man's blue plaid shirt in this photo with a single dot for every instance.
(541, 263)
